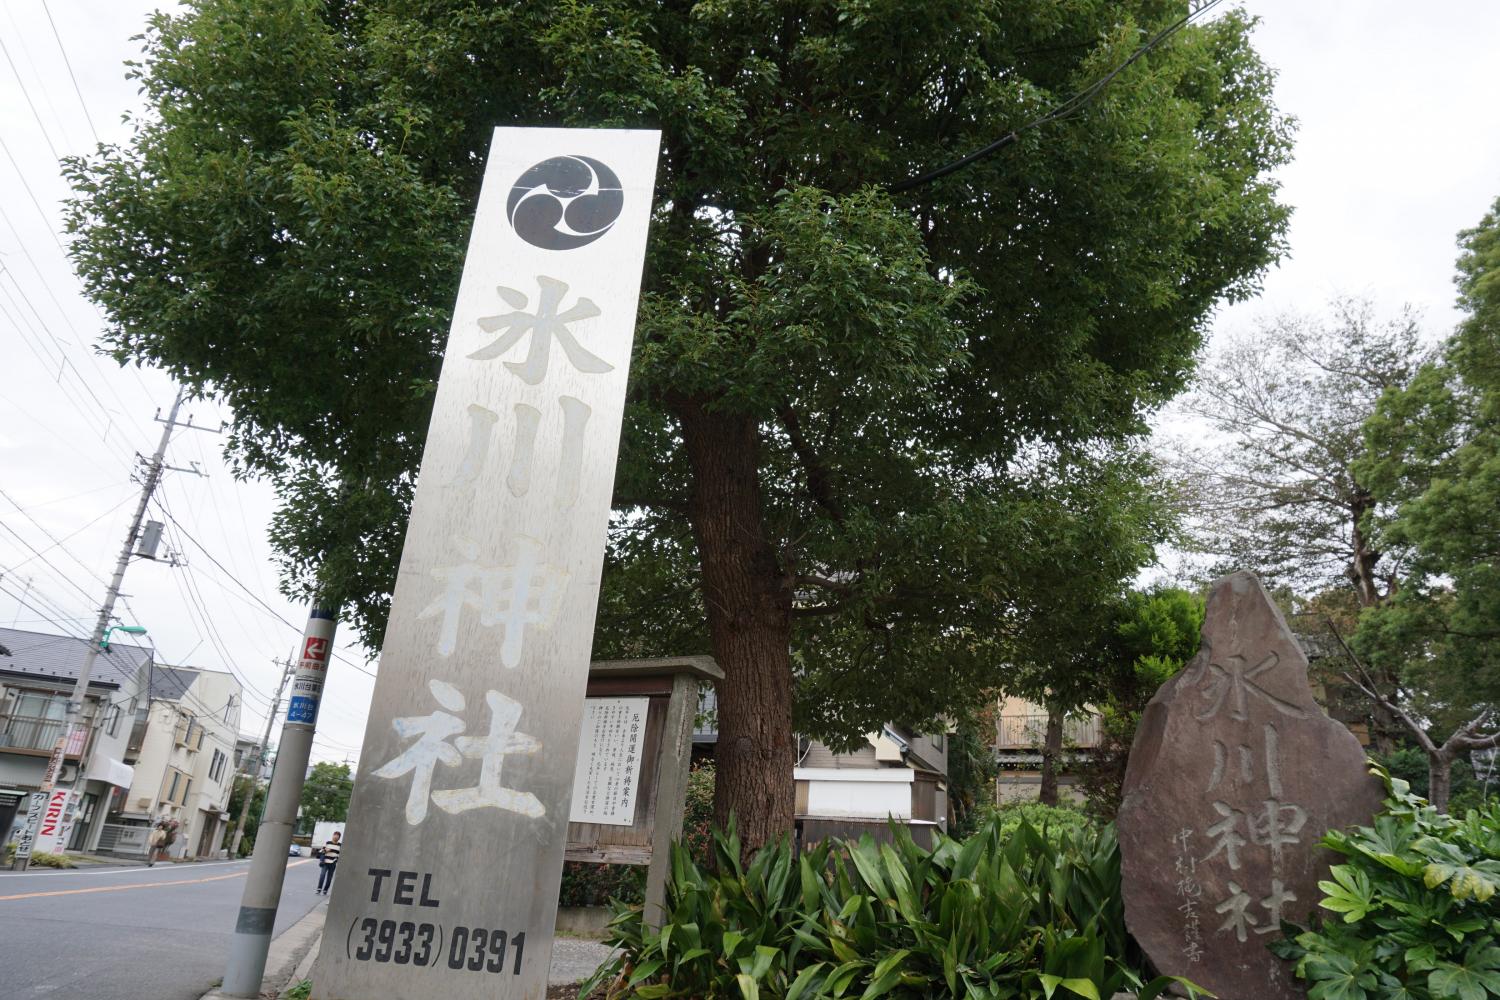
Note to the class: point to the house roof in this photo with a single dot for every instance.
(59, 658)
(171, 683)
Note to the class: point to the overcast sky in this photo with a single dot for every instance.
(1396, 152)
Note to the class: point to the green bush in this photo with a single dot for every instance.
(40, 858)
(993, 916)
(1052, 821)
(1420, 917)
(45, 860)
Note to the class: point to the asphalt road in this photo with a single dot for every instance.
(157, 933)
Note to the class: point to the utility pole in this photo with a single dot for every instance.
(73, 727)
(252, 929)
(258, 758)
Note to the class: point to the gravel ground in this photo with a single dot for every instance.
(574, 960)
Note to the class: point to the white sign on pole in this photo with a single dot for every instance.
(456, 831)
(51, 835)
(608, 771)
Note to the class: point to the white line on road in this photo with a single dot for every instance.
(112, 870)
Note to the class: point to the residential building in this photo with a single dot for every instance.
(183, 750)
(894, 775)
(38, 672)
(1021, 731)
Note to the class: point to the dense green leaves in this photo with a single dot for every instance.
(1011, 912)
(929, 398)
(325, 794)
(1434, 450)
(1412, 908)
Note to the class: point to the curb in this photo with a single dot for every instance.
(293, 949)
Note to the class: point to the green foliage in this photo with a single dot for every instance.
(40, 859)
(1006, 913)
(237, 794)
(972, 769)
(1434, 450)
(1054, 822)
(1413, 910)
(914, 415)
(301, 991)
(1410, 764)
(44, 860)
(325, 793)
(1151, 635)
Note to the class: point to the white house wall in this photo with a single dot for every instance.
(857, 794)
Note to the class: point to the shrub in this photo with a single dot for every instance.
(993, 916)
(1420, 919)
(587, 884)
(45, 860)
(1051, 821)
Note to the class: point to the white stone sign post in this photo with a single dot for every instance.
(447, 885)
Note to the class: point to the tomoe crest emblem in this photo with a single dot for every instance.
(565, 202)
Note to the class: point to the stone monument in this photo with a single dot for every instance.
(1234, 777)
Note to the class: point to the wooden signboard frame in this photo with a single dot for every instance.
(671, 684)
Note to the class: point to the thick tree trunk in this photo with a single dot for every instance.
(1052, 746)
(748, 602)
(1439, 780)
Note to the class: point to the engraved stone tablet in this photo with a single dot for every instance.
(1234, 777)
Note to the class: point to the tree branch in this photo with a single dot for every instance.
(1374, 695)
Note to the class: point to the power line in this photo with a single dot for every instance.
(123, 501)
(240, 583)
(1071, 106)
(26, 93)
(68, 63)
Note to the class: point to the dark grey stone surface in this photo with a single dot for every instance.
(1234, 777)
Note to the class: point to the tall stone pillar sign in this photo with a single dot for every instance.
(447, 885)
(1234, 777)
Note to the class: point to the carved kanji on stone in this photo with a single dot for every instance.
(1235, 776)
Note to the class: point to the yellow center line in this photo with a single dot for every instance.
(138, 885)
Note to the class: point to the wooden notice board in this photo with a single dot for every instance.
(670, 686)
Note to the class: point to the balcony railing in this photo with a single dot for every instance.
(1027, 732)
(32, 732)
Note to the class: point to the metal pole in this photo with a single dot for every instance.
(259, 759)
(252, 930)
(80, 688)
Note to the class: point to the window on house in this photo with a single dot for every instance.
(112, 720)
(216, 769)
(172, 777)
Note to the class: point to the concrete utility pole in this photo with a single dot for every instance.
(252, 930)
(73, 727)
(257, 759)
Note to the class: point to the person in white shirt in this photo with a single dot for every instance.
(328, 861)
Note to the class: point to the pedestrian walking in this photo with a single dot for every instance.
(160, 839)
(328, 860)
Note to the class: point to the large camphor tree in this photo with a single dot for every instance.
(854, 416)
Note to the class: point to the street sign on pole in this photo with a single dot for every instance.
(448, 882)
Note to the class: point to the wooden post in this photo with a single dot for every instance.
(661, 804)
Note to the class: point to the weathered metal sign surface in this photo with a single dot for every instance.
(448, 883)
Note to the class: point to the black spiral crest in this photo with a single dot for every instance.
(565, 202)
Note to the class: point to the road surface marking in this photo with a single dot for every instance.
(134, 885)
(116, 870)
